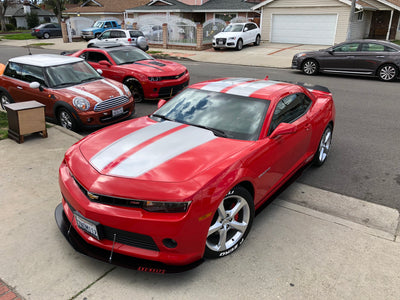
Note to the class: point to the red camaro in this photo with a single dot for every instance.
(146, 77)
(184, 182)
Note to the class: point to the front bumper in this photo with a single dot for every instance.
(165, 89)
(80, 245)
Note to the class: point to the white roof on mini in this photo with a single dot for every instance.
(45, 60)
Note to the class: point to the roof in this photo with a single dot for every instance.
(45, 60)
(17, 10)
(209, 6)
(102, 6)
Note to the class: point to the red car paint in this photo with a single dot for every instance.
(141, 160)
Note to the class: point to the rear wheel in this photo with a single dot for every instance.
(387, 72)
(310, 67)
(257, 42)
(46, 35)
(66, 119)
(136, 89)
(231, 223)
(5, 99)
(324, 147)
(239, 45)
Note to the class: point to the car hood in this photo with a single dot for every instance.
(94, 91)
(227, 34)
(168, 152)
(156, 67)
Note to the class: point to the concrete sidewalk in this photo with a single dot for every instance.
(330, 246)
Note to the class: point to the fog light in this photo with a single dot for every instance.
(155, 89)
(89, 120)
(170, 243)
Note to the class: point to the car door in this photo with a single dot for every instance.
(282, 154)
(111, 71)
(247, 33)
(371, 56)
(339, 58)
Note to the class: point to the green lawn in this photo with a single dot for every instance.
(3, 125)
(17, 36)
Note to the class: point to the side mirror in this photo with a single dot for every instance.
(161, 102)
(34, 85)
(104, 63)
(99, 71)
(330, 51)
(245, 29)
(283, 129)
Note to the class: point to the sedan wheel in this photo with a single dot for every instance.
(231, 223)
(310, 67)
(66, 119)
(324, 147)
(387, 73)
(46, 35)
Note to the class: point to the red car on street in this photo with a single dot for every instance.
(146, 77)
(75, 95)
(183, 183)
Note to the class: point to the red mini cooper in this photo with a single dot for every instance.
(74, 93)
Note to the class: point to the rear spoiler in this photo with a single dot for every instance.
(309, 86)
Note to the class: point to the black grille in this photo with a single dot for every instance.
(111, 103)
(173, 77)
(223, 40)
(169, 91)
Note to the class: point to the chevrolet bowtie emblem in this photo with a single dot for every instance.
(92, 196)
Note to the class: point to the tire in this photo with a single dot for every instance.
(5, 99)
(66, 119)
(388, 72)
(231, 223)
(46, 35)
(310, 67)
(323, 147)
(239, 45)
(136, 89)
(258, 40)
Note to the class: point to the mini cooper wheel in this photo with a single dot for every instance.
(4, 99)
(231, 223)
(135, 88)
(257, 42)
(239, 45)
(324, 146)
(46, 35)
(310, 67)
(387, 72)
(66, 119)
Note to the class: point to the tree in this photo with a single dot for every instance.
(3, 6)
(58, 6)
(32, 20)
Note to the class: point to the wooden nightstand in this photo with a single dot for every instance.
(25, 118)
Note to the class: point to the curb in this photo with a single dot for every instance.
(7, 293)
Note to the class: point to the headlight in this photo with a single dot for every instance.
(300, 54)
(81, 103)
(154, 78)
(166, 207)
(232, 38)
(127, 90)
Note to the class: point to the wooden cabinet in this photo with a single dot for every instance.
(25, 118)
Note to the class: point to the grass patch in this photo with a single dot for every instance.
(3, 125)
(397, 42)
(18, 36)
(41, 44)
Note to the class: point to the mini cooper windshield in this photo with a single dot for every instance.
(128, 56)
(71, 74)
(226, 115)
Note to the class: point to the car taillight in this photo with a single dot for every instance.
(37, 30)
(129, 40)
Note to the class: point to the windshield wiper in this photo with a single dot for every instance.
(162, 117)
(217, 132)
(90, 79)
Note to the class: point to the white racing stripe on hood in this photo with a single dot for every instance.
(107, 155)
(84, 93)
(223, 84)
(247, 89)
(114, 86)
(161, 151)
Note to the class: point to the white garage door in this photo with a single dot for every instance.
(304, 29)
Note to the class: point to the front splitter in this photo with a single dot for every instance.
(80, 245)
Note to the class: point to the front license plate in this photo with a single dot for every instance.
(87, 226)
(220, 43)
(117, 112)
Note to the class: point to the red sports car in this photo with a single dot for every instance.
(184, 182)
(146, 77)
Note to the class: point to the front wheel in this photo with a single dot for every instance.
(324, 147)
(136, 89)
(310, 67)
(66, 119)
(239, 45)
(231, 223)
(387, 73)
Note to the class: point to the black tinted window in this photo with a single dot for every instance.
(95, 56)
(350, 47)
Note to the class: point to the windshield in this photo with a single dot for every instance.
(128, 55)
(71, 74)
(234, 28)
(98, 24)
(227, 115)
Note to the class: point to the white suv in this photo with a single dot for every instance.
(235, 35)
(120, 36)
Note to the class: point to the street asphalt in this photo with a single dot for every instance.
(308, 244)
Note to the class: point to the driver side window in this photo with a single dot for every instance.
(289, 109)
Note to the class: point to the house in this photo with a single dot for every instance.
(327, 22)
(16, 14)
(199, 11)
(102, 9)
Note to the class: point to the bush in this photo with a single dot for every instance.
(32, 20)
(10, 27)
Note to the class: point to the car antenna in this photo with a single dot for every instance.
(29, 49)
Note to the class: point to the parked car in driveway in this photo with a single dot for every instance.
(236, 35)
(74, 93)
(120, 36)
(47, 30)
(183, 183)
(146, 77)
(359, 57)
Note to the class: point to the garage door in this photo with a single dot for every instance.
(304, 29)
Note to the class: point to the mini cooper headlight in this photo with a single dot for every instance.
(127, 90)
(81, 103)
(155, 78)
(166, 207)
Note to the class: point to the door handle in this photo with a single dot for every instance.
(308, 127)
(20, 87)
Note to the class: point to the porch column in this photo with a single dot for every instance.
(165, 35)
(390, 25)
(199, 36)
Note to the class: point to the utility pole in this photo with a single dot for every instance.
(351, 18)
